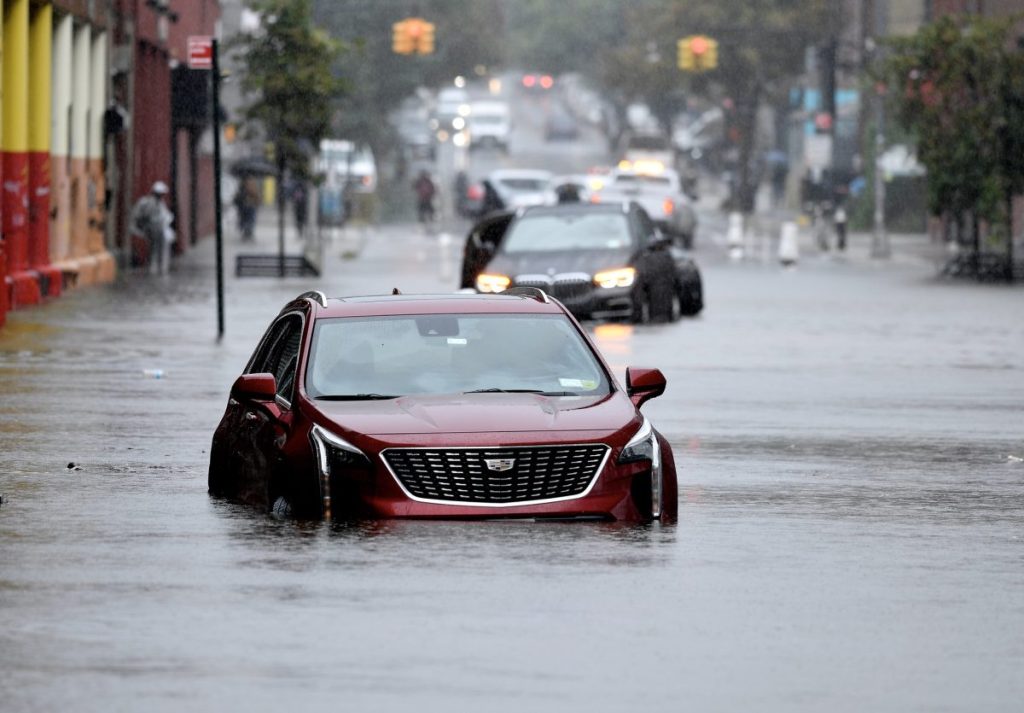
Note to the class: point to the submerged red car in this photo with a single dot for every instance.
(440, 406)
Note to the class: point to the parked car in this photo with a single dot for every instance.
(603, 261)
(662, 196)
(490, 124)
(440, 406)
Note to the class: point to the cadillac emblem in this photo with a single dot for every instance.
(499, 465)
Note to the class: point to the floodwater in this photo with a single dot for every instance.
(850, 535)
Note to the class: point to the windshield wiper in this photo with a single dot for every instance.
(356, 397)
(495, 390)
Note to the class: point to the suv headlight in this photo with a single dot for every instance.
(644, 446)
(332, 449)
(492, 283)
(622, 277)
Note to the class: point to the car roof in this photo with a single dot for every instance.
(426, 304)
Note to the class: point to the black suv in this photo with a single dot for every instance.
(602, 261)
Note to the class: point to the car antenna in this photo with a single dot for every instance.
(396, 291)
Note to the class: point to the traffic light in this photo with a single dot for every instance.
(427, 38)
(697, 53)
(685, 61)
(413, 35)
(401, 41)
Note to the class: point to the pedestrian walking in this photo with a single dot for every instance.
(247, 201)
(152, 222)
(425, 192)
(840, 221)
(300, 204)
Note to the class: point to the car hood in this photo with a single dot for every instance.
(479, 413)
(560, 261)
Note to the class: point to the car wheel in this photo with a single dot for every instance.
(641, 307)
(692, 297)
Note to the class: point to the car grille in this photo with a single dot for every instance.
(560, 287)
(474, 475)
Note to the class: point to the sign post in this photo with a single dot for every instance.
(203, 54)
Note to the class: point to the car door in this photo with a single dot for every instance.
(264, 427)
(481, 244)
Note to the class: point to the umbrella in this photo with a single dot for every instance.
(253, 166)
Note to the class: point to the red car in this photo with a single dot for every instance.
(440, 406)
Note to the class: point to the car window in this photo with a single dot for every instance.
(573, 231)
(632, 179)
(645, 226)
(278, 354)
(451, 354)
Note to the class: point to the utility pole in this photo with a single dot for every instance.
(880, 247)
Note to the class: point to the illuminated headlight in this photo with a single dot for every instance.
(622, 277)
(458, 123)
(492, 283)
(644, 446)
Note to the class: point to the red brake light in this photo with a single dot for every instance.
(668, 206)
(546, 81)
(474, 192)
(529, 80)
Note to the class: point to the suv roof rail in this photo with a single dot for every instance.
(534, 293)
(315, 295)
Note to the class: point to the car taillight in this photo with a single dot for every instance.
(474, 192)
(529, 80)
(546, 81)
(668, 206)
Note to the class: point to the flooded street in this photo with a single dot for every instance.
(850, 534)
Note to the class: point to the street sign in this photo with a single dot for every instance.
(200, 52)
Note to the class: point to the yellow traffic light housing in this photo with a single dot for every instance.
(685, 60)
(426, 44)
(413, 35)
(401, 41)
(698, 53)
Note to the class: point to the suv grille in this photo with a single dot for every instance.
(475, 475)
(565, 287)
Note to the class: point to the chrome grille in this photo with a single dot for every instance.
(563, 286)
(460, 475)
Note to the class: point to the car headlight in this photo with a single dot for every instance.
(332, 449)
(492, 283)
(621, 277)
(644, 446)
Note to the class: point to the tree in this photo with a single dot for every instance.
(958, 87)
(761, 50)
(288, 69)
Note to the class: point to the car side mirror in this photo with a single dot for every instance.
(256, 387)
(642, 385)
(658, 240)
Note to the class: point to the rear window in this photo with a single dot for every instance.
(524, 184)
(633, 180)
(648, 143)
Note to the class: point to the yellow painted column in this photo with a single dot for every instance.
(39, 117)
(15, 151)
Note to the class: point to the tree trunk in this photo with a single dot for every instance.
(1009, 236)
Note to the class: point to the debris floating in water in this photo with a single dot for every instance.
(72, 466)
(153, 373)
(1014, 459)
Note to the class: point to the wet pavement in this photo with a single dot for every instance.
(850, 437)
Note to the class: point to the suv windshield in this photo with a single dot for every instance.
(386, 357)
(576, 231)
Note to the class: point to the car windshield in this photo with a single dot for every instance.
(385, 357)
(524, 184)
(573, 231)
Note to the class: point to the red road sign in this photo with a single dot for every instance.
(200, 52)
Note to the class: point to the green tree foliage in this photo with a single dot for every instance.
(288, 72)
(958, 87)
